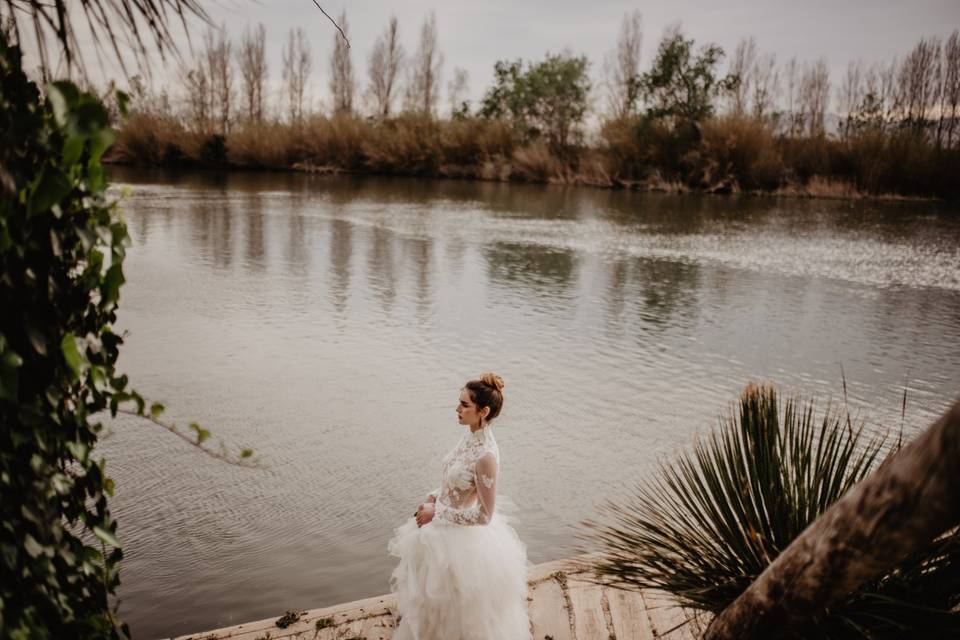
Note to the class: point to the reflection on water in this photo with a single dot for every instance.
(329, 322)
(531, 267)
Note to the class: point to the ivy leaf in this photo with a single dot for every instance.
(136, 397)
(106, 536)
(110, 290)
(202, 434)
(79, 450)
(37, 340)
(100, 142)
(62, 96)
(72, 148)
(55, 244)
(71, 353)
(120, 383)
(9, 376)
(33, 548)
(96, 176)
(52, 187)
(156, 409)
(246, 453)
(87, 238)
(89, 118)
(99, 376)
(10, 555)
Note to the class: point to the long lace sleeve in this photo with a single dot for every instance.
(485, 476)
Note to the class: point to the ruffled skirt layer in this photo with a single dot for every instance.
(456, 582)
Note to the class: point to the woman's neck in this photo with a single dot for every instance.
(480, 425)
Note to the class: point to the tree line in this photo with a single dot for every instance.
(795, 120)
(228, 82)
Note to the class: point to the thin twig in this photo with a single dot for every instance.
(342, 34)
(223, 457)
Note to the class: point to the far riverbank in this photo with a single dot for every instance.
(724, 155)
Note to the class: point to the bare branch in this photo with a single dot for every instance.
(238, 461)
(622, 68)
(342, 34)
(383, 68)
(341, 74)
(253, 71)
(424, 83)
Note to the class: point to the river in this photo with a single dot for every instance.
(329, 323)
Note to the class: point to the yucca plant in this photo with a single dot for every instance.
(713, 519)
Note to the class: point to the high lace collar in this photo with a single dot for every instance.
(478, 436)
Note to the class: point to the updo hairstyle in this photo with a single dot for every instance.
(487, 391)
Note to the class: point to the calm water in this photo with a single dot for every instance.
(330, 322)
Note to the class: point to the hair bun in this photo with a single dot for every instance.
(492, 380)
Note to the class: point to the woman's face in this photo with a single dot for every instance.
(467, 410)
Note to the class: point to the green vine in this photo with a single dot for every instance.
(62, 247)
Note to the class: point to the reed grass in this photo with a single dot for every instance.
(727, 154)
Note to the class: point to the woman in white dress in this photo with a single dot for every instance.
(462, 573)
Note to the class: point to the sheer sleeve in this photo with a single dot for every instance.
(485, 476)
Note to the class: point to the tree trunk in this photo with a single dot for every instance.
(899, 509)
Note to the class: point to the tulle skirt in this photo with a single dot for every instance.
(460, 582)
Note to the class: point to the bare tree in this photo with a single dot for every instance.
(870, 109)
(622, 68)
(890, 94)
(198, 97)
(341, 72)
(424, 82)
(220, 74)
(814, 92)
(919, 82)
(296, 71)
(950, 96)
(253, 70)
(765, 84)
(741, 67)
(383, 68)
(457, 92)
(794, 124)
(850, 96)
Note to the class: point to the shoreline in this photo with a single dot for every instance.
(817, 189)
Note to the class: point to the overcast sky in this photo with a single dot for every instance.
(473, 35)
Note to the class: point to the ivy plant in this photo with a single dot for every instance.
(62, 247)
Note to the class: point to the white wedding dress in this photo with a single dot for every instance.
(463, 575)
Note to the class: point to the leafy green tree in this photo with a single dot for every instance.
(682, 83)
(548, 99)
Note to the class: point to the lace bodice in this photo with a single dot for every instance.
(468, 493)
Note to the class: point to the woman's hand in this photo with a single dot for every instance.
(424, 513)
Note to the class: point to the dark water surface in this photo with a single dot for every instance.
(330, 322)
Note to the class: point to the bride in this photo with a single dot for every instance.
(462, 573)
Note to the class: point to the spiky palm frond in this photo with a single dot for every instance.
(127, 26)
(713, 519)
